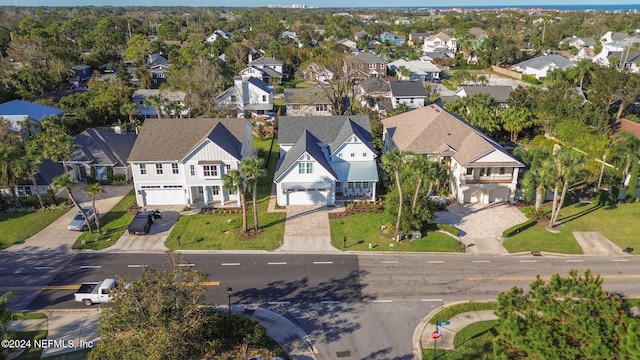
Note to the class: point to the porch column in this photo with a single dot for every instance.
(205, 195)
(373, 191)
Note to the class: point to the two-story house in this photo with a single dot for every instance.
(307, 102)
(365, 65)
(173, 103)
(184, 161)
(252, 96)
(324, 160)
(158, 65)
(410, 93)
(272, 68)
(394, 39)
(80, 75)
(218, 34)
(480, 170)
(418, 70)
(439, 42)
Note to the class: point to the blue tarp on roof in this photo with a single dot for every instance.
(34, 111)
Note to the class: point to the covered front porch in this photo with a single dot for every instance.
(216, 196)
(356, 190)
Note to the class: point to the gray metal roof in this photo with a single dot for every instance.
(541, 62)
(407, 89)
(356, 171)
(260, 85)
(499, 93)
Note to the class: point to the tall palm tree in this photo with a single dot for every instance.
(32, 162)
(538, 179)
(92, 190)
(9, 169)
(156, 102)
(625, 150)
(391, 162)
(56, 145)
(568, 166)
(67, 183)
(252, 168)
(233, 180)
(425, 169)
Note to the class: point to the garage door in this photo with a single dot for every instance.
(499, 195)
(163, 197)
(307, 197)
(473, 195)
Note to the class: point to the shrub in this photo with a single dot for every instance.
(604, 198)
(530, 79)
(448, 228)
(517, 228)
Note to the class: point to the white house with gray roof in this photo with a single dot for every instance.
(480, 170)
(324, 160)
(410, 93)
(183, 161)
(500, 93)
(252, 96)
(540, 66)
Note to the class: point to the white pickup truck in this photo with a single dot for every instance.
(96, 292)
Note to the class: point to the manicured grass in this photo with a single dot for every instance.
(475, 341)
(216, 232)
(364, 228)
(447, 313)
(28, 316)
(617, 224)
(31, 352)
(16, 227)
(114, 224)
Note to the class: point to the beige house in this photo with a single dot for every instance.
(480, 169)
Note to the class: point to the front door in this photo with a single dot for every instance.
(82, 172)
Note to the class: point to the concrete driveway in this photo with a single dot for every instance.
(307, 229)
(154, 240)
(481, 225)
(56, 237)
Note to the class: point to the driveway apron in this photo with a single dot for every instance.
(307, 229)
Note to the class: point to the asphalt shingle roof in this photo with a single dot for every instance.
(103, 147)
(173, 139)
(407, 89)
(500, 93)
(541, 62)
(306, 96)
(309, 144)
(368, 58)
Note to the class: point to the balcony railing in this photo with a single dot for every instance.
(491, 179)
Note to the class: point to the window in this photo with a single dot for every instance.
(159, 169)
(216, 190)
(143, 169)
(411, 100)
(233, 98)
(192, 169)
(309, 168)
(381, 66)
(264, 98)
(210, 170)
(228, 167)
(353, 154)
(174, 169)
(301, 168)
(372, 66)
(24, 190)
(364, 154)
(321, 107)
(501, 171)
(469, 171)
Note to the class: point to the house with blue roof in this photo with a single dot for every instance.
(26, 116)
(394, 39)
(324, 160)
(187, 167)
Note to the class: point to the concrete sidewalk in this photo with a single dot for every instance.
(422, 334)
(77, 329)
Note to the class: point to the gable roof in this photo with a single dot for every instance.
(324, 128)
(441, 35)
(478, 33)
(173, 139)
(368, 58)
(407, 88)
(260, 84)
(433, 130)
(375, 84)
(309, 144)
(500, 93)
(266, 61)
(98, 146)
(32, 110)
(309, 96)
(543, 61)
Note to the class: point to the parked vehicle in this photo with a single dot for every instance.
(141, 223)
(79, 223)
(96, 292)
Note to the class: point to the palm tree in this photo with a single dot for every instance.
(156, 102)
(9, 169)
(129, 109)
(65, 181)
(568, 166)
(538, 178)
(391, 162)
(425, 168)
(56, 145)
(626, 149)
(92, 190)
(234, 181)
(252, 168)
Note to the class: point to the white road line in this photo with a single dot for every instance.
(389, 262)
(436, 300)
(137, 265)
(620, 260)
(276, 263)
(322, 262)
(230, 264)
(528, 261)
(382, 301)
(330, 302)
(574, 261)
(42, 267)
(481, 261)
(187, 265)
(279, 302)
(435, 261)
(90, 267)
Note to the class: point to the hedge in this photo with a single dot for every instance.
(444, 227)
(530, 79)
(517, 228)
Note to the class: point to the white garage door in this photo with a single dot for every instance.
(306, 197)
(499, 195)
(473, 195)
(163, 197)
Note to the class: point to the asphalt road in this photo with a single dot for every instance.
(352, 306)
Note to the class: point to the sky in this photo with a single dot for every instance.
(319, 3)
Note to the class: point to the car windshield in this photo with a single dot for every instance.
(78, 217)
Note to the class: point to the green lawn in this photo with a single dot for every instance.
(215, 232)
(114, 224)
(364, 228)
(617, 224)
(31, 352)
(16, 227)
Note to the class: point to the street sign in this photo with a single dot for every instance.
(435, 335)
(442, 323)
